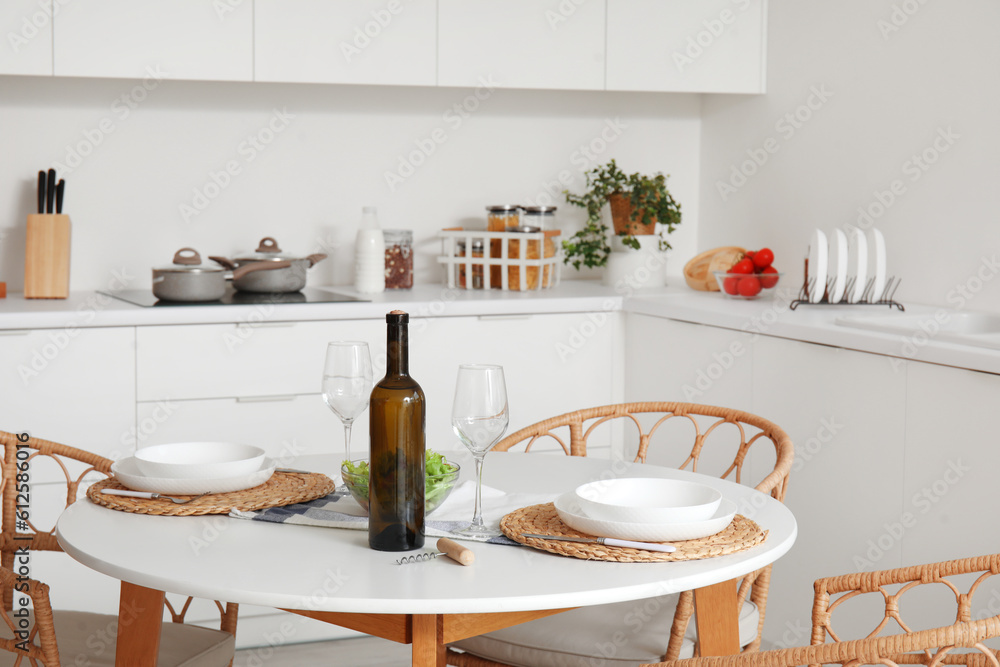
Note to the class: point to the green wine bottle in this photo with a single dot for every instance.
(396, 475)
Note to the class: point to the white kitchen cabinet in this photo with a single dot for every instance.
(27, 29)
(844, 411)
(73, 385)
(387, 42)
(521, 44)
(155, 39)
(697, 46)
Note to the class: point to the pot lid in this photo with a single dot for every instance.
(187, 260)
(268, 250)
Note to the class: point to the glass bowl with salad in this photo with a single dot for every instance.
(440, 477)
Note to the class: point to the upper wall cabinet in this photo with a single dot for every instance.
(388, 42)
(172, 39)
(698, 46)
(521, 43)
(27, 29)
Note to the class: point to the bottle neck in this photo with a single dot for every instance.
(398, 350)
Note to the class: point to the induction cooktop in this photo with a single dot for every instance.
(232, 297)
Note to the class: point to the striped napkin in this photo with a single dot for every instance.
(340, 510)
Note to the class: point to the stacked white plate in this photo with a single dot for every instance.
(194, 467)
(646, 509)
(844, 257)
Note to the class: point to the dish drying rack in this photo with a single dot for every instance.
(521, 263)
(884, 299)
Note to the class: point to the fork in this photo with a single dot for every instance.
(147, 494)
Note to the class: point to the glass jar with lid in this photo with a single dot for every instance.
(543, 217)
(398, 258)
(503, 217)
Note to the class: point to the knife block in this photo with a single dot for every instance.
(46, 257)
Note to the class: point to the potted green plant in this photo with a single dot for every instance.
(637, 203)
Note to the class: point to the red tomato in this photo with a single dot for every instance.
(731, 285)
(768, 277)
(742, 266)
(749, 254)
(749, 286)
(763, 258)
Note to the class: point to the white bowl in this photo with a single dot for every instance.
(569, 511)
(127, 472)
(199, 460)
(647, 500)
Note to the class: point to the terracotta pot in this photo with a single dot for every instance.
(621, 217)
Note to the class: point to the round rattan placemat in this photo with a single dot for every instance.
(281, 489)
(741, 534)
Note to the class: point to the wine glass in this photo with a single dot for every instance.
(347, 383)
(479, 418)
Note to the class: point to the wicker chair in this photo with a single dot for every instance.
(665, 633)
(962, 642)
(79, 637)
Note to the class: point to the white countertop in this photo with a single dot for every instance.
(770, 317)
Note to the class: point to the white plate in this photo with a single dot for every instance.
(858, 264)
(877, 264)
(571, 514)
(818, 256)
(127, 472)
(838, 265)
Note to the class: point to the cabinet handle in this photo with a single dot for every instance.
(504, 317)
(16, 332)
(265, 399)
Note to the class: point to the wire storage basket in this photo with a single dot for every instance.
(512, 260)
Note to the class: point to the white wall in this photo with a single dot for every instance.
(308, 185)
(893, 91)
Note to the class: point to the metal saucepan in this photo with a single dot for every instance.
(290, 278)
(188, 279)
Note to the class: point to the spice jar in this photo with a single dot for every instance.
(531, 252)
(543, 217)
(398, 258)
(502, 218)
(477, 269)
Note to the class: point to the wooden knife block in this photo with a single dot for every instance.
(46, 258)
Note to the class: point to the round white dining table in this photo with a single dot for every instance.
(332, 574)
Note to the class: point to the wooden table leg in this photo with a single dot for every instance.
(428, 645)
(717, 617)
(140, 617)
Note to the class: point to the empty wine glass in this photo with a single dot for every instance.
(479, 418)
(347, 383)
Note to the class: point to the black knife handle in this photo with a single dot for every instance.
(60, 190)
(41, 192)
(50, 191)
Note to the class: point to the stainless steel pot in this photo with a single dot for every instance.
(188, 279)
(291, 278)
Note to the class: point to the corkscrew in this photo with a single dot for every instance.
(449, 548)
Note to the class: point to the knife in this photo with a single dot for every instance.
(50, 191)
(609, 542)
(41, 192)
(60, 190)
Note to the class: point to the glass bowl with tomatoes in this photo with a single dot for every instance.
(751, 277)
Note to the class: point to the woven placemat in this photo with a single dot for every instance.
(742, 533)
(281, 489)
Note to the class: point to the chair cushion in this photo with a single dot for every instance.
(621, 634)
(89, 639)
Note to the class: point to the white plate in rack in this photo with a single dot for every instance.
(571, 514)
(838, 265)
(127, 472)
(818, 257)
(877, 264)
(858, 264)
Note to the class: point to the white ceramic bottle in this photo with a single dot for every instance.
(369, 254)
